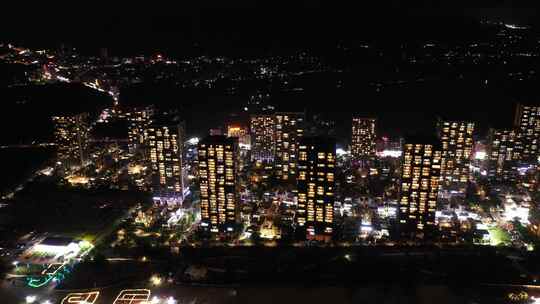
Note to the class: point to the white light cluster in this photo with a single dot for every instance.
(480, 155)
(341, 152)
(512, 211)
(390, 153)
(385, 212)
(193, 141)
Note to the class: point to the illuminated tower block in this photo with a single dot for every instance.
(138, 120)
(457, 144)
(527, 124)
(289, 129)
(71, 138)
(315, 180)
(419, 188)
(218, 159)
(503, 155)
(165, 137)
(363, 138)
(262, 129)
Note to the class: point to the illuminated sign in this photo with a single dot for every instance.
(52, 269)
(40, 281)
(522, 296)
(133, 296)
(81, 298)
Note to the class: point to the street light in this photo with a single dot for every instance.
(46, 302)
(171, 300)
(155, 280)
(30, 299)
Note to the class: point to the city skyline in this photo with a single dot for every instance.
(263, 154)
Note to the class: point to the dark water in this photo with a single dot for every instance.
(18, 164)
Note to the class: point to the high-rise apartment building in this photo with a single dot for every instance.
(71, 138)
(262, 129)
(503, 155)
(316, 186)
(457, 145)
(217, 170)
(419, 189)
(289, 129)
(363, 138)
(241, 133)
(138, 120)
(165, 138)
(527, 124)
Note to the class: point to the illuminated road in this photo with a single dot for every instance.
(18, 146)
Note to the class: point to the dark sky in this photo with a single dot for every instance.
(253, 29)
(244, 27)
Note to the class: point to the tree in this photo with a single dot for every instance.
(3, 269)
(493, 201)
(525, 235)
(256, 238)
(499, 236)
(100, 261)
(534, 216)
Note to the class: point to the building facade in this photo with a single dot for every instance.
(419, 188)
(262, 129)
(217, 170)
(503, 155)
(527, 124)
(363, 138)
(215, 132)
(241, 133)
(289, 129)
(165, 138)
(138, 120)
(316, 186)
(457, 146)
(71, 138)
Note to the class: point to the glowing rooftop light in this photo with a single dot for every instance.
(390, 153)
(193, 141)
(480, 155)
(340, 152)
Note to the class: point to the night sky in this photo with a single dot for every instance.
(245, 28)
(252, 30)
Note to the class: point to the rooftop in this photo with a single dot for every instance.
(56, 241)
(422, 139)
(218, 139)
